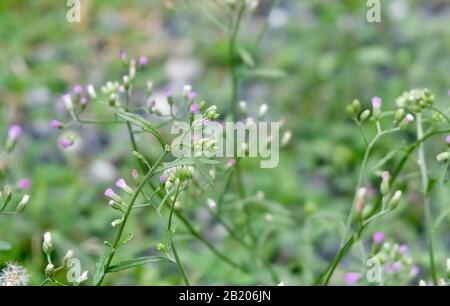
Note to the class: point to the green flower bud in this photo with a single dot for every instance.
(364, 115)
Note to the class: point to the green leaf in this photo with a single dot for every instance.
(141, 158)
(246, 57)
(126, 239)
(100, 269)
(266, 73)
(431, 183)
(143, 124)
(185, 161)
(127, 264)
(5, 246)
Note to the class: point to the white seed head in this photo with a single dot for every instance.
(14, 275)
(187, 89)
(422, 283)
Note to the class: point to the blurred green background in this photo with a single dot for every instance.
(329, 55)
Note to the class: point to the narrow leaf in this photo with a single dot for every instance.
(143, 124)
(127, 264)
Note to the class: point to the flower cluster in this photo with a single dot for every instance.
(51, 269)
(14, 274)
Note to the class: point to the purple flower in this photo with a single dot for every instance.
(376, 102)
(143, 60)
(55, 124)
(122, 55)
(232, 162)
(24, 184)
(84, 100)
(351, 278)
(162, 179)
(378, 238)
(448, 140)
(415, 270)
(206, 122)
(123, 185)
(14, 131)
(78, 90)
(111, 194)
(168, 93)
(66, 143)
(395, 267)
(403, 249)
(192, 95)
(448, 92)
(194, 108)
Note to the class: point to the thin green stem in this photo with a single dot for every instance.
(231, 59)
(426, 200)
(128, 211)
(174, 250)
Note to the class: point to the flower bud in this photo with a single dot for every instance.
(47, 245)
(132, 71)
(68, 102)
(356, 106)
(444, 156)
(263, 110)
(243, 107)
(83, 277)
(49, 270)
(123, 185)
(116, 222)
(67, 258)
(399, 114)
(186, 90)
(126, 82)
(376, 107)
(406, 121)
(448, 267)
(395, 200)
(350, 111)
(364, 115)
(91, 91)
(14, 133)
(21, 206)
(384, 187)
(7, 194)
(169, 96)
(286, 138)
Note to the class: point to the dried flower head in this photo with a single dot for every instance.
(14, 275)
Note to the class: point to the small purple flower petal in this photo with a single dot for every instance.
(143, 60)
(121, 183)
(415, 270)
(14, 131)
(376, 102)
(84, 100)
(395, 267)
(24, 184)
(194, 108)
(192, 95)
(403, 249)
(55, 124)
(110, 193)
(378, 238)
(351, 278)
(448, 92)
(122, 55)
(232, 162)
(66, 143)
(162, 179)
(168, 93)
(78, 90)
(448, 140)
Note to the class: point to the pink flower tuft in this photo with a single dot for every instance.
(351, 278)
(110, 193)
(14, 131)
(66, 143)
(55, 124)
(378, 238)
(24, 184)
(162, 179)
(143, 60)
(78, 90)
(376, 102)
(194, 108)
